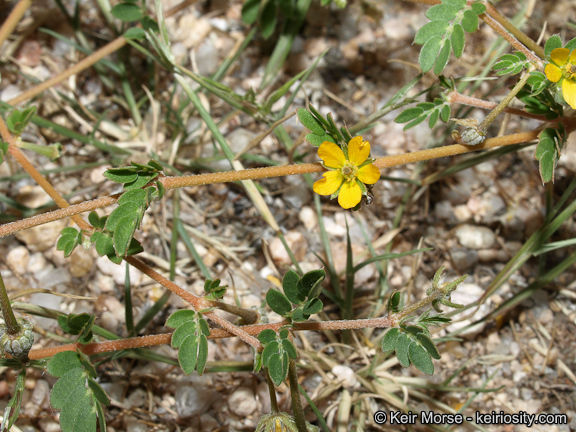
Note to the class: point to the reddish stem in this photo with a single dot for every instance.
(251, 331)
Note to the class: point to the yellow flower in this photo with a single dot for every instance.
(347, 175)
(562, 70)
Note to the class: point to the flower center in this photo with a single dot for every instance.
(349, 171)
(569, 71)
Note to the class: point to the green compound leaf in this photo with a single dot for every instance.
(390, 339)
(127, 210)
(538, 82)
(103, 243)
(317, 140)
(312, 306)
(190, 338)
(142, 180)
(318, 116)
(213, 289)
(547, 152)
(309, 121)
(277, 350)
(278, 302)
(268, 19)
(442, 12)
(478, 8)
(127, 12)
(18, 120)
(135, 33)
(309, 285)
(470, 21)
(80, 324)
(70, 238)
(429, 53)
(571, 45)
(250, 11)
(180, 317)
(290, 287)
(402, 345)
(76, 394)
(393, 305)
(437, 28)
(551, 44)
(270, 349)
(458, 3)
(443, 57)
(62, 362)
(98, 392)
(420, 358)
(182, 332)
(289, 348)
(511, 64)
(445, 113)
(408, 115)
(121, 175)
(70, 395)
(95, 220)
(427, 343)
(458, 40)
(136, 195)
(433, 118)
(278, 368)
(438, 109)
(267, 336)
(123, 234)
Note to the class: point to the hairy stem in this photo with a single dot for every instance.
(455, 97)
(13, 19)
(483, 127)
(299, 418)
(258, 173)
(96, 56)
(12, 326)
(521, 36)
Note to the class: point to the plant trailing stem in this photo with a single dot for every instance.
(455, 97)
(255, 173)
(13, 19)
(96, 56)
(521, 36)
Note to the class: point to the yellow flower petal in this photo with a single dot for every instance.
(553, 72)
(560, 56)
(329, 184)
(358, 150)
(368, 174)
(350, 195)
(331, 154)
(572, 58)
(569, 92)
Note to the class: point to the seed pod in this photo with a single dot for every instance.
(19, 344)
(470, 137)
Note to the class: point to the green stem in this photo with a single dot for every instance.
(518, 34)
(483, 127)
(272, 391)
(295, 395)
(248, 316)
(12, 326)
